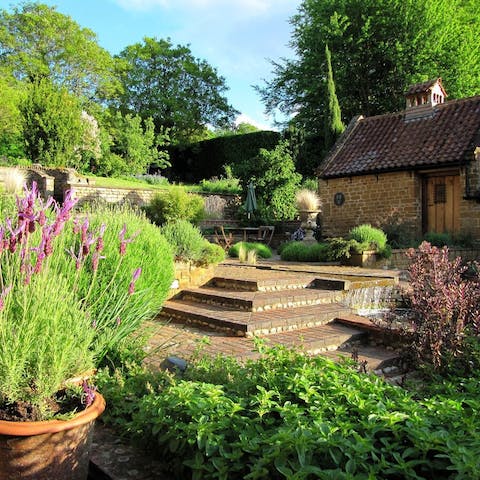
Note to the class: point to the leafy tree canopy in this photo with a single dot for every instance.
(378, 48)
(180, 92)
(38, 42)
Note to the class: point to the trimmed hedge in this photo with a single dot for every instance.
(207, 158)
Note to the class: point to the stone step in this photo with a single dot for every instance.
(376, 359)
(271, 284)
(255, 301)
(319, 339)
(257, 279)
(244, 323)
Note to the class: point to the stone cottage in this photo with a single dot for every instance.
(419, 168)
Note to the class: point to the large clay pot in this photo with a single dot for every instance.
(53, 450)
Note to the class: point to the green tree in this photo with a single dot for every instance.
(273, 173)
(11, 93)
(381, 47)
(52, 125)
(130, 145)
(38, 42)
(178, 91)
(333, 124)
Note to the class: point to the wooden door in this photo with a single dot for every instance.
(443, 203)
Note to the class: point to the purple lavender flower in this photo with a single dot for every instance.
(63, 213)
(88, 393)
(124, 241)
(136, 274)
(100, 245)
(4, 293)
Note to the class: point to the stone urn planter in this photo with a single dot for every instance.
(53, 450)
(309, 222)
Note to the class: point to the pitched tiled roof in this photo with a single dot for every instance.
(423, 87)
(389, 143)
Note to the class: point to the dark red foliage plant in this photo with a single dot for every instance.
(445, 306)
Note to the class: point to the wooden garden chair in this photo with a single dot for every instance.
(225, 240)
(265, 234)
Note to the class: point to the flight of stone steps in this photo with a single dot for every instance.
(301, 309)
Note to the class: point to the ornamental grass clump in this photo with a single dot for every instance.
(48, 322)
(307, 200)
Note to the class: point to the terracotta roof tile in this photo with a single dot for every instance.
(388, 142)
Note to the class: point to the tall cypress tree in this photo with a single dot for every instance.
(333, 116)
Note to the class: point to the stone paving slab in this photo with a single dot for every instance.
(114, 458)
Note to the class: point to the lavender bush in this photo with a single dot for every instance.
(49, 321)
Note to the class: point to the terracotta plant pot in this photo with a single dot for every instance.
(54, 449)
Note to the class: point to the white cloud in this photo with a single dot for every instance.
(244, 118)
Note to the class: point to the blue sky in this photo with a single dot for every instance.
(238, 37)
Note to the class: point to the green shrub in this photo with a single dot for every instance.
(301, 252)
(282, 246)
(339, 248)
(186, 240)
(212, 253)
(438, 239)
(310, 184)
(189, 245)
(175, 204)
(262, 250)
(369, 237)
(399, 233)
(288, 415)
(368, 234)
(221, 185)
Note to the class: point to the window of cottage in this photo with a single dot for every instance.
(440, 193)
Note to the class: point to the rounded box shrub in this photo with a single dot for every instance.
(175, 204)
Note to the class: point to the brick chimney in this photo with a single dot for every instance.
(422, 97)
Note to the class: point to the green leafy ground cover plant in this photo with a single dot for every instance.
(262, 250)
(290, 416)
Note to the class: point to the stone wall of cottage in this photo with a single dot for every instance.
(392, 197)
(374, 199)
(470, 206)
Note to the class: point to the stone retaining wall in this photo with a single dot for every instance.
(400, 261)
(188, 275)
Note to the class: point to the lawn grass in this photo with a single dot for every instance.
(114, 182)
(111, 182)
